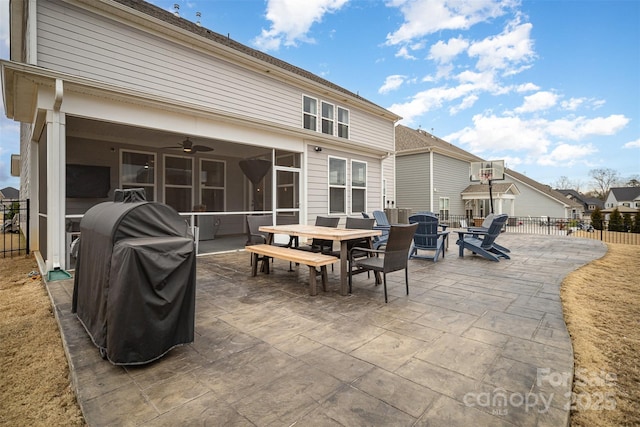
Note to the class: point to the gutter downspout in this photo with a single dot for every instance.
(431, 180)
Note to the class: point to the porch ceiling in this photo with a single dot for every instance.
(153, 138)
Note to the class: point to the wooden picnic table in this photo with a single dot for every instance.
(342, 235)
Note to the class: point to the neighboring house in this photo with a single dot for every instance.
(122, 94)
(433, 175)
(625, 199)
(9, 193)
(7, 196)
(589, 204)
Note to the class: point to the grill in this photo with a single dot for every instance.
(134, 284)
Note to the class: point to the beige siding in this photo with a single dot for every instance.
(78, 42)
(532, 202)
(318, 187)
(450, 178)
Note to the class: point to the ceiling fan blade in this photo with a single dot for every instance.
(201, 148)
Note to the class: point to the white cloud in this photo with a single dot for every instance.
(291, 20)
(423, 17)
(391, 83)
(572, 104)
(527, 87)
(567, 155)
(540, 140)
(538, 101)
(466, 103)
(632, 144)
(445, 52)
(428, 100)
(506, 50)
(403, 52)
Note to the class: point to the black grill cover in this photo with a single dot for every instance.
(134, 284)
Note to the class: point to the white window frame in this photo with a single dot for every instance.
(444, 208)
(337, 186)
(340, 123)
(305, 113)
(362, 188)
(330, 120)
(167, 185)
(204, 186)
(133, 184)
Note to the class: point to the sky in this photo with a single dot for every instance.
(550, 87)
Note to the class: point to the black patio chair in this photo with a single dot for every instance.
(322, 245)
(393, 257)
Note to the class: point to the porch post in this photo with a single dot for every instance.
(56, 192)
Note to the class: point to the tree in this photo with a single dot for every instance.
(636, 223)
(596, 218)
(634, 181)
(627, 222)
(563, 183)
(615, 221)
(604, 178)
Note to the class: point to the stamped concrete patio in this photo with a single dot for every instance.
(475, 343)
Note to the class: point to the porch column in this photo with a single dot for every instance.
(499, 205)
(56, 177)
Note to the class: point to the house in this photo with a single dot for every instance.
(123, 94)
(623, 197)
(7, 197)
(434, 175)
(9, 193)
(589, 204)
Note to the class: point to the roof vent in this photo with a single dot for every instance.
(198, 16)
(176, 9)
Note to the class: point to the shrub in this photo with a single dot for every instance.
(636, 223)
(596, 218)
(627, 222)
(615, 221)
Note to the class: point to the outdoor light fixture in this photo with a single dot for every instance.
(317, 149)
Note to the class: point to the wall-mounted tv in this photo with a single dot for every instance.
(88, 182)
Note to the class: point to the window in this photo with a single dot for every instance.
(212, 185)
(137, 170)
(310, 113)
(444, 209)
(343, 123)
(358, 187)
(327, 118)
(337, 185)
(178, 179)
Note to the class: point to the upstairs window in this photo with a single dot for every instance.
(343, 123)
(310, 113)
(327, 118)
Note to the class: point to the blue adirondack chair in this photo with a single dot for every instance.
(483, 243)
(428, 237)
(382, 224)
(484, 228)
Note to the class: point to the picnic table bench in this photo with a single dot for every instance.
(311, 259)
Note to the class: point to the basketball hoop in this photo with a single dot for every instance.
(485, 175)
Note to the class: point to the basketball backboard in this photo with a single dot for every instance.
(485, 171)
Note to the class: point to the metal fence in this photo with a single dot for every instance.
(14, 225)
(556, 226)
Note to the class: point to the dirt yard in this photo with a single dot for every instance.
(602, 311)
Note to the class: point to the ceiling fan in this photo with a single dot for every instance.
(189, 148)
